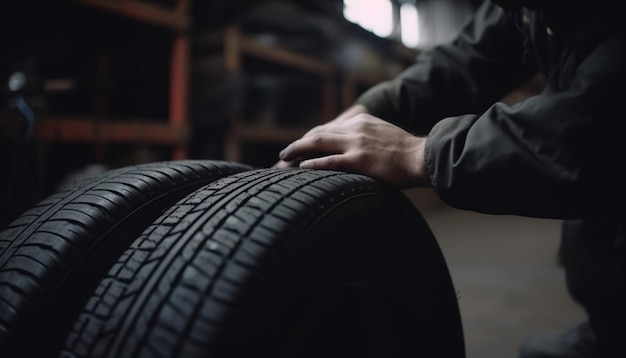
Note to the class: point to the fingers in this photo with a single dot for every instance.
(281, 164)
(329, 162)
(337, 126)
(314, 145)
(326, 145)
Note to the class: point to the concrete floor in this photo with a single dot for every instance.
(506, 273)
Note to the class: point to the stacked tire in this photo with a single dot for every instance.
(218, 259)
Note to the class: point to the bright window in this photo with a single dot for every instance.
(409, 25)
(377, 16)
(373, 15)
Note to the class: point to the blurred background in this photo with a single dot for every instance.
(90, 85)
(87, 85)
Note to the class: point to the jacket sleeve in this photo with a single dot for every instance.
(557, 155)
(483, 64)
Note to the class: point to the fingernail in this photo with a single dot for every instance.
(304, 164)
(283, 153)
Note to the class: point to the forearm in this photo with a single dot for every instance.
(557, 155)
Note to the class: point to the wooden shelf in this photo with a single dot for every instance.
(93, 130)
(174, 18)
(174, 131)
(278, 55)
(244, 133)
(237, 46)
(242, 53)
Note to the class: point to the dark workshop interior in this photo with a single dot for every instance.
(91, 85)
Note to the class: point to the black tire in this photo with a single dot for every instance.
(278, 263)
(54, 255)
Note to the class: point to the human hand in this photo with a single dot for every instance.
(281, 164)
(362, 144)
(348, 113)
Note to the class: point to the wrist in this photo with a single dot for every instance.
(419, 170)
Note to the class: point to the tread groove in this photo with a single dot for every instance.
(76, 217)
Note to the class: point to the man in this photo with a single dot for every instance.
(556, 155)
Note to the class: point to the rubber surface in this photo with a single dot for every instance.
(53, 256)
(277, 263)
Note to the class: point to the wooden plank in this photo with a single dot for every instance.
(90, 130)
(286, 57)
(176, 19)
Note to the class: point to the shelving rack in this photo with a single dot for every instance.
(236, 45)
(338, 88)
(174, 132)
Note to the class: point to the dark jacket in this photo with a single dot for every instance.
(560, 154)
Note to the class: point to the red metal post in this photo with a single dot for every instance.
(179, 81)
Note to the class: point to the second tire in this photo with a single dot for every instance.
(278, 263)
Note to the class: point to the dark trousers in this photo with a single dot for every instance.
(593, 253)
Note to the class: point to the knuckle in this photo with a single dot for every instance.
(317, 138)
(362, 125)
(360, 139)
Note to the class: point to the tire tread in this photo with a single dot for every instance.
(54, 233)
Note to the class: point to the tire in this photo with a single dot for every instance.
(54, 255)
(278, 263)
